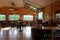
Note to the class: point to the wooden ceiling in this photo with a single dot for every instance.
(20, 3)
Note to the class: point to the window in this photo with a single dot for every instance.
(31, 7)
(2, 17)
(58, 15)
(40, 15)
(28, 17)
(14, 17)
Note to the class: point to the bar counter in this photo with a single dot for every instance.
(52, 28)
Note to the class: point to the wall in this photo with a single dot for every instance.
(18, 10)
(55, 7)
(51, 10)
(47, 12)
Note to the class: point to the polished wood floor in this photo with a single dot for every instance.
(14, 34)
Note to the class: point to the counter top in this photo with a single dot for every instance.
(48, 27)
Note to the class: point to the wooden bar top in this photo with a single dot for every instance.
(48, 27)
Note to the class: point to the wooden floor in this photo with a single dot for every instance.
(14, 34)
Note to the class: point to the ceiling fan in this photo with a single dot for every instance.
(13, 7)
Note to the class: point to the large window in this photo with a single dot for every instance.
(58, 17)
(40, 15)
(28, 17)
(31, 7)
(2, 17)
(14, 17)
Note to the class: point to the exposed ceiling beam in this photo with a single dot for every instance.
(32, 3)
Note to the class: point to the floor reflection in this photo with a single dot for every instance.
(14, 34)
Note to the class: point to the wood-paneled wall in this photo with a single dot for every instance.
(51, 10)
(47, 12)
(18, 10)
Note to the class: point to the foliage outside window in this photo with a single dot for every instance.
(28, 17)
(14, 17)
(2, 17)
(40, 15)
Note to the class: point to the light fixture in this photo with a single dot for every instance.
(12, 6)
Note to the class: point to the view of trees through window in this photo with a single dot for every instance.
(14, 17)
(2, 17)
(40, 15)
(28, 17)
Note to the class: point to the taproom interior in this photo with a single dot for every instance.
(29, 19)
